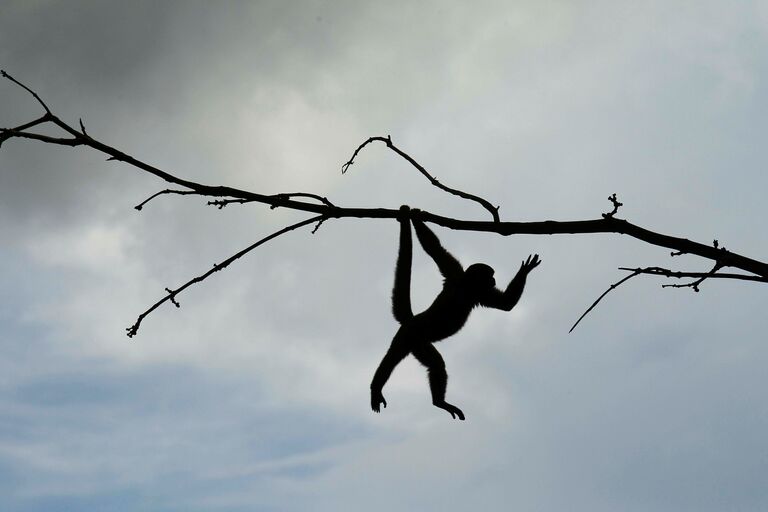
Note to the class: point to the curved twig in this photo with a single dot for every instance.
(171, 296)
(606, 292)
(163, 192)
(494, 210)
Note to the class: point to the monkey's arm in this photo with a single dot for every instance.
(448, 265)
(401, 291)
(508, 299)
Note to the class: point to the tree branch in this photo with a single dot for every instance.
(606, 292)
(325, 209)
(164, 192)
(171, 296)
(658, 271)
(494, 210)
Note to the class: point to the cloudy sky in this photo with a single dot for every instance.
(254, 395)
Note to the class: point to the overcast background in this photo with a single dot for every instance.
(254, 395)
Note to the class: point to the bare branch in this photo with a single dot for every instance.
(7, 133)
(494, 210)
(164, 192)
(319, 223)
(663, 272)
(30, 91)
(171, 296)
(695, 284)
(325, 210)
(606, 292)
(658, 271)
(221, 203)
(288, 195)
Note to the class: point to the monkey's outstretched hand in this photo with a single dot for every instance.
(529, 264)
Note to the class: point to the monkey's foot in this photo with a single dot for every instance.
(377, 400)
(452, 410)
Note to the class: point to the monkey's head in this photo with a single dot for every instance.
(479, 276)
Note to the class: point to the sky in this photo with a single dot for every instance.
(253, 396)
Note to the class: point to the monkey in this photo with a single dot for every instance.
(462, 291)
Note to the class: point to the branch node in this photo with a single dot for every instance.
(172, 297)
(319, 223)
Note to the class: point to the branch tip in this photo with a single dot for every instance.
(616, 205)
(172, 297)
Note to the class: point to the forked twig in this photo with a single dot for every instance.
(658, 271)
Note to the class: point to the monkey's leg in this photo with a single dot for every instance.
(396, 353)
(428, 355)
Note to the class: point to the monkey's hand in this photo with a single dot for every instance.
(404, 214)
(415, 214)
(529, 264)
(377, 400)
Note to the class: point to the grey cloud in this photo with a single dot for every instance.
(253, 394)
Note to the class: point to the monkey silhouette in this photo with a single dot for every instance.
(462, 291)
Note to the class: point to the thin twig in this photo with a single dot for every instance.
(221, 203)
(494, 210)
(171, 296)
(695, 284)
(663, 272)
(289, 195)
(163, 192)
(30, 91)
(7, 133)
(616, 206)
(319, 223)
(610, 288)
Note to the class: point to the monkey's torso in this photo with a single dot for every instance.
(445, 317)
